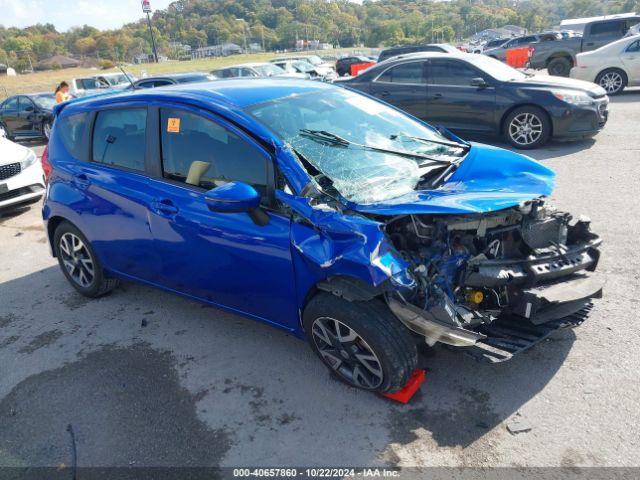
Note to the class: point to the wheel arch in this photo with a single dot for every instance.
(52, 225)
(525, 104)
(618, 69)
(557, 55)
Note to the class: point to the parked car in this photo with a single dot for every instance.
(263, 69)
(320, 211)
(405, 49)
(557, 53)
(343, 65)
(28, 116)
(300, 68)
(496, 42)
(172, 79)
(500, 52)
(614, 66)
(21, 175)
(81, 87)
(477, 94)
(323, 67)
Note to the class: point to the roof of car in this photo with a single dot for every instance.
(248, 65)
(173, 75)
(238, 93)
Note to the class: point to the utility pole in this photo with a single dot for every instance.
(146, 8)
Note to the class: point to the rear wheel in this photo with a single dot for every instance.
(560, 67)
(46, 129)
(527, 127)
(362, 343)
(79, 262)
(612, 80)
(4, 132)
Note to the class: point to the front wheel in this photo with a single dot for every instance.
(362, 343)
(527, 127)
(4, 132)
(79, 263)
(612, 80)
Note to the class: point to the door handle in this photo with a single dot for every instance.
(385, 94)
(437, 96)
(164, 207)
(81, 180)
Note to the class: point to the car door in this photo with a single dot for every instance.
(602, 33)
(222, 258)
(9, 115)
(631, 60)
(403, 85)
(454, 101)
(111, 189)
(27, 114)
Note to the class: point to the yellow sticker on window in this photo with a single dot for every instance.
(173, 125)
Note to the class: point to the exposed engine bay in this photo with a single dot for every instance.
(498, 281)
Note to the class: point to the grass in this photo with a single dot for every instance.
(47, 81)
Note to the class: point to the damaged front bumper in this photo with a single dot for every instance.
(545, 293)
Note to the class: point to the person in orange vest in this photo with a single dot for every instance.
(62, 92)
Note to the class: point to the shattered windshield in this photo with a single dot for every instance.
(368, 151)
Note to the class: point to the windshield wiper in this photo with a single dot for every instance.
(333, 139)
(325, 136)
(446, 143)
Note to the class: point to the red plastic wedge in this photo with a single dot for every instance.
(409, 390)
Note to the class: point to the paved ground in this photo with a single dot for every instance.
(197, 386)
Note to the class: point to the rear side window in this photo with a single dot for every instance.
(607, 28)
(10, 105)
(71, 130)
(119, 138)
(202, 153)
(412, 72)
(634, 47)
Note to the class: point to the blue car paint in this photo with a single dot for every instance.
(224, 259)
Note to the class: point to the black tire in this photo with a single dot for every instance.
(559, 67)
(6, 132)
(99, 284)
(613, 80)
(378, 331)
(539, 126)
(46, 129)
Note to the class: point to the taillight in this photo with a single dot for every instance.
(46, 165)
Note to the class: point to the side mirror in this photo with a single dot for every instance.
(236, 197)
(479, 82)
(28, 108)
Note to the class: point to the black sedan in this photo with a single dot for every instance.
(27, 117)
(475, 94)
(343, 65)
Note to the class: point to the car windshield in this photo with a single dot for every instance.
(198, 77)
(46, 101)
(304, 67)
(268, 70)
(116, 79)
(313, 60)
(498, 70)
(368, 151)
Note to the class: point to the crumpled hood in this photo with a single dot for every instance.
(548, 81)
(488, 179)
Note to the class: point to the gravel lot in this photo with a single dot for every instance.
(147, 378)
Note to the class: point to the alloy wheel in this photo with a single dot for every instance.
(46, 129)
(76, 259)
(3, 132)
(525, 129)
(346, 352)
(612, 82)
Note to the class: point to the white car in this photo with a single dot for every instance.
(21, 175)
(613, 67)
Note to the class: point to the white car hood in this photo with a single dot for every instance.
(11, 152)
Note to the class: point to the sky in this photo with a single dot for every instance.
(102, 14)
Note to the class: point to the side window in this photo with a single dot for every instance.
(634, 47)
(10, 105)
(412, 72)
(71, 130)
(26, 105)
(200, 152)
(147, 84)
(119, 138)
(606, 29)
(448, 72)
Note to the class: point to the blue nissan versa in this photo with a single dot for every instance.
(321, 211)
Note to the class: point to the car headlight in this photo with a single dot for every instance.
(29, 160)
(573, 98)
